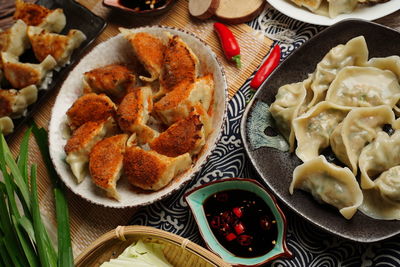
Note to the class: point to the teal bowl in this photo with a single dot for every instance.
(196, 198)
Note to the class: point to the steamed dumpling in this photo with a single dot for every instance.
(379, 156)
(329, 184)
(14, 102)
(36, 15)
(353, 53)
(14, 40)
(21, 75)
(60, 47)
(383, 200)
(287, 106)
(391, 63)
(364, 87)
(314, 128)
(359, 128)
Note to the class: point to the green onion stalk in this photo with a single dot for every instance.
(24, 240)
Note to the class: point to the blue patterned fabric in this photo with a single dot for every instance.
(310, 245)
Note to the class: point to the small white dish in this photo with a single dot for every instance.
(117, 50)
(365, 12)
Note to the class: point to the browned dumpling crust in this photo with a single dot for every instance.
(149, 50)
(133, 114)
(105, 163)
(21, 75)
(179, 65)
(36, 15)
(184, 136)
(13, 102)
(113, 80)
(81, 143)
(152, 171)
(178, 103)
(59, 46)
(90, 107)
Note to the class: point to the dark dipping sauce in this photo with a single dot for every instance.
(141, 5)
(242, 222)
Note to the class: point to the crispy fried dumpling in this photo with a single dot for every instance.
(60, 47)
(329, 184)
(14, 40)
(13, 103)
(149, 50)
(21, 75)
(133, 114)
(6, 125)
(178, 103)
(313, 129)
(180, 65)
(359, 128)
(364, 87)
(36, 15)
(81, 143)
(353, 53)
(152, 171)
(113, 80)
(379, 156)
(184, 136)
(382, 202)
(90, 107)
(288, 105)
(105, 163)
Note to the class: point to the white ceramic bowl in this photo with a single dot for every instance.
(117, 50)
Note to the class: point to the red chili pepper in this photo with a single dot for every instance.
(237, 211)
(229, 43)
(230, 237)
(267, 67)
(239, 228)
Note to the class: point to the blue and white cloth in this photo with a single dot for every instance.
(310, 245)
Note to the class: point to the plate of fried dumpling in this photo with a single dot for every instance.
(35, 52)
(328, 12)
(138, 116)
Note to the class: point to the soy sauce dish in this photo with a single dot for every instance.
(240, 221)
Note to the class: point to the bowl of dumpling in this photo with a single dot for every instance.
(327, 120)
(138, 116)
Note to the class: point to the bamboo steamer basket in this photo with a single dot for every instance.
(179, 251)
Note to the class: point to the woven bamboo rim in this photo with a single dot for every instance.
(178, 250)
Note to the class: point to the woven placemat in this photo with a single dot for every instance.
(89, 221)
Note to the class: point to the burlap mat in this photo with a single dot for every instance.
(89, 221)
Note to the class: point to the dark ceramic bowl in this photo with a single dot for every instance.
(276, 167)
(119, 5)
(78, 17)
(196, 198)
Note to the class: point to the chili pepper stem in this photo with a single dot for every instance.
(236, 59)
